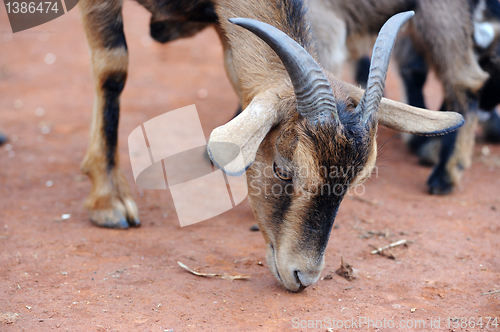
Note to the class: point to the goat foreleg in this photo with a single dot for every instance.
(109, 203)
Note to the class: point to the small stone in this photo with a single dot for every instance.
(254, 228)
(18, 103)
(50, 58)
(485, 150)
(202, 93)
(39, 111)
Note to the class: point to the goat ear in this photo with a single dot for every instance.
(406, 118)
(233, 146)
(402, 117)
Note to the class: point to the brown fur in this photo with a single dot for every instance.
(294, 145)
(256, 65)
(462, 157)
(296, 222)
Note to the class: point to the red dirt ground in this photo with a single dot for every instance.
(72, 276)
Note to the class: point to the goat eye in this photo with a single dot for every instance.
(282, 173)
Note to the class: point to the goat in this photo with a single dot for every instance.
(487, 47)
(487, 38)
(441, 31)
(313, 134)
(413, 70)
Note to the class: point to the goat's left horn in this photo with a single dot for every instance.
(313, 92)
(369, 103)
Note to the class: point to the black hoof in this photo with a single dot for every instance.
(134, 223)
(440, 190)
(439, 185)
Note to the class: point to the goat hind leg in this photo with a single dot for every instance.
(109, 203)
(455, 155)
(413, 70)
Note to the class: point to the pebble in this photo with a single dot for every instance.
(50, 58)
(254, 228)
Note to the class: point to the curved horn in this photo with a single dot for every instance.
(382, 50)
(313, 92)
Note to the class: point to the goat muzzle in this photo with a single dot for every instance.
(294, 271)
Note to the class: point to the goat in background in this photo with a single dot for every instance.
(442, 31)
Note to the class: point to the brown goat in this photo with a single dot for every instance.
(302, 130)
(443, 32)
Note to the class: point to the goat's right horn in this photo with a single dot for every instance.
(382, 50)
(314, 95)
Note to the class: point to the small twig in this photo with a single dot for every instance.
(364, 200)
(240, 260)
(492, 292)
(392, 245)
(223, 276)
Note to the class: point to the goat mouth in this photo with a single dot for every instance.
(278, 276)
(276, 264)
(301, 287)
